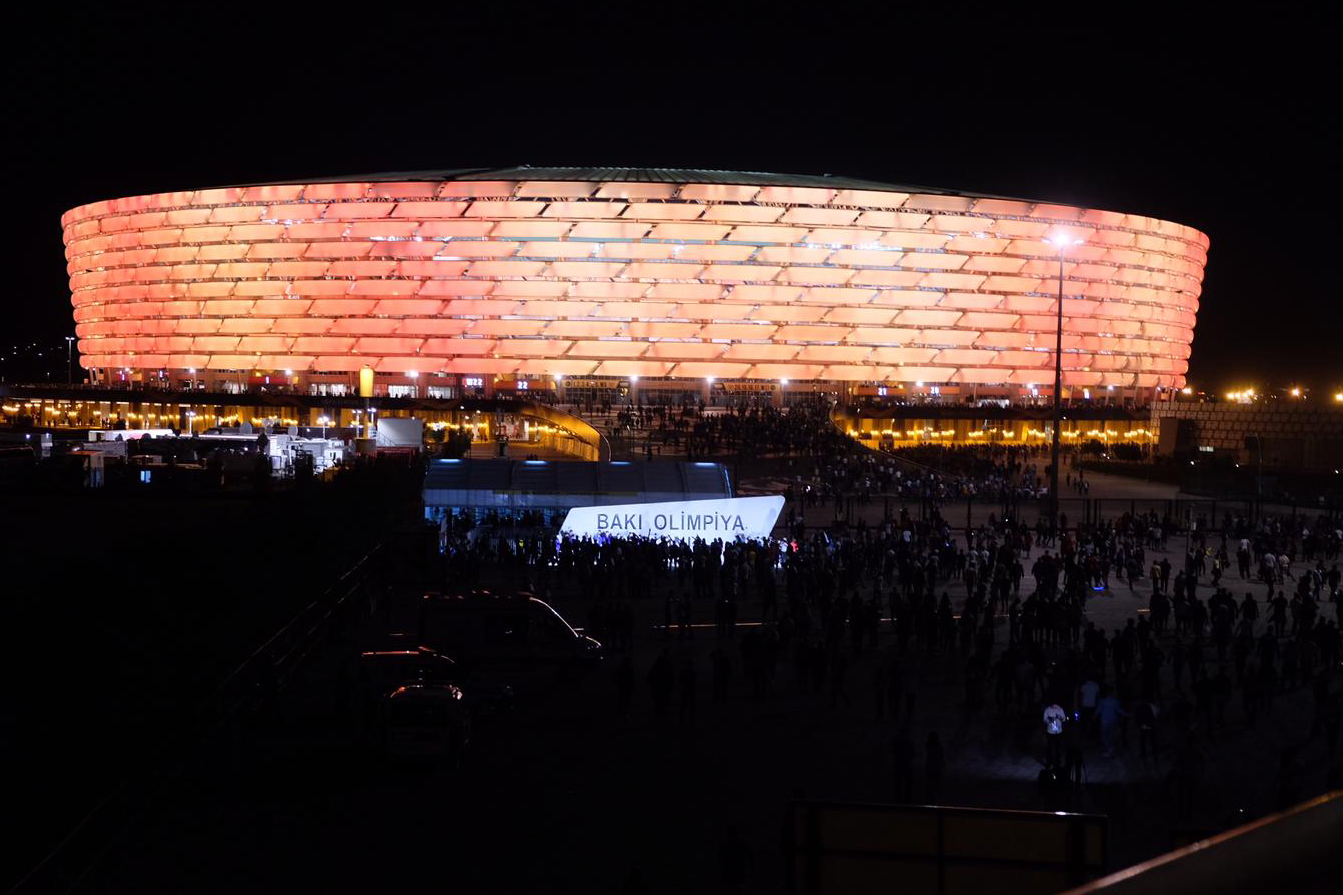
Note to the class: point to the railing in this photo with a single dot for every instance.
(71, 863)
(595, 444)
(268, 669)
(837, 847)
(1297, 851)
(1184, 513)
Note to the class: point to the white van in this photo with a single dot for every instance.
(514, 633)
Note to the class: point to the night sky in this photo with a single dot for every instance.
(1217, 124)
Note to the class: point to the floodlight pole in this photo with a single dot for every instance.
(1058, 401)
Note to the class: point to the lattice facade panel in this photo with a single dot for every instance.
(681, 279)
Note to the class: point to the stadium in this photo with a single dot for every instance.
(656, 285)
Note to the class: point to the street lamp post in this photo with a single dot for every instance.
(1061, 241)
(69, 360)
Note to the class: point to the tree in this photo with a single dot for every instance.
(455, 445)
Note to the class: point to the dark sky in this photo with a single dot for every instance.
(1219, 124)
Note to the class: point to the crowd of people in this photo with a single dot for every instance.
(752, 428)
(1010, 605)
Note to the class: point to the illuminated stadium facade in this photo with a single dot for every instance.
(670, 282)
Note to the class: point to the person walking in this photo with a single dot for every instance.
(1074, 766)
(624, 687)
(722, 675)
(934, 764)
(660, 679)
(1109, 711)
(838, 666)
(1146, 715)
(879, 689)
(902, 749)
(734, 863)
(688, 681)
(1088, 699)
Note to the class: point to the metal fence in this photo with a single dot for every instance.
(1184, 513)
(836, 847)
(1295, 851)
(71, 866)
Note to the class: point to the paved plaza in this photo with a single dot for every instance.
(568, 789)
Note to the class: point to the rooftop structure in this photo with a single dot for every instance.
(554, 487)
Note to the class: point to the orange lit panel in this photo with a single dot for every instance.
(834, 353)
(785, 371)
(689, 231)
(633, 368)
(664, 211)
(504, 328)
(627, 190)
(888, 355)
(531, 288)
(887, 277)
(535, 347)
(582, 329)
(734, 331)
(686, 350)
(660, 329)
(357, 326)
(820, 217)
(743, 213)
(875, 316)
(717, 369)
(761, 352)
(605, 348)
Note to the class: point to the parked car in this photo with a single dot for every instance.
(400, 659)
(425, 721)
(511, 633)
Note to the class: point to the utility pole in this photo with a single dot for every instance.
(1062, 242)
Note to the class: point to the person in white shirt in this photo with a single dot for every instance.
(1054, 720)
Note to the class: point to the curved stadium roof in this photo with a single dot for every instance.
(633, 175)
